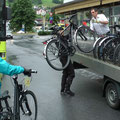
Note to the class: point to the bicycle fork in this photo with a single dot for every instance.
(24, 103)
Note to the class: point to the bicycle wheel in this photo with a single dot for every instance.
(95, 47)
(109, 48)
(102, 44)
(116, 55)
(28, 105)
(55, 50)
(84, 39)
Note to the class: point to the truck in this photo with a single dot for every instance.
(110, 72)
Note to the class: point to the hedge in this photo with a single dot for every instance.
(44, 32)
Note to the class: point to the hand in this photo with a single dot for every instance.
(97, 21)
(27, 72)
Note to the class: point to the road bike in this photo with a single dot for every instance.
(57, 48)
(25, 102)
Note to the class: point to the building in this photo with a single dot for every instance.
(111, 8)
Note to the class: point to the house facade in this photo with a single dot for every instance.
(111, 8)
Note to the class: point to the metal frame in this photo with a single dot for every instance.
(104, 68)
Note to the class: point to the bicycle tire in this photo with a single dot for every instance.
(54, 50)
(28, 107)
(84, 39)
(109, 48)
(116, 55)
(101, 46)
(95, 47)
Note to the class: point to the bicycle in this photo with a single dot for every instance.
(56, 48)
(116, 55)
(22, 109)
(110, 45)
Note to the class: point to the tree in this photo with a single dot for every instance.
(39, 1)
(56, 1)
(22, 14)
(56, 19)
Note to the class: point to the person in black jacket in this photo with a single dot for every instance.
(68, 73)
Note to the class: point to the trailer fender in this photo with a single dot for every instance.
(107, 81)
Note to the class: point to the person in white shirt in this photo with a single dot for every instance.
(99, 23)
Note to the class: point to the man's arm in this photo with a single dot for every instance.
(104, 22)
(104, 19)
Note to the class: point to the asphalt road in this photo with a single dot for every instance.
(87, 104)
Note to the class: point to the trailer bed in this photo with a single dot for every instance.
(99, 66)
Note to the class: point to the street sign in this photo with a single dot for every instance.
(43, 12)
(50, 13)
(50, 18)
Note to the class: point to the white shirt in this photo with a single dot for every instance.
(100, 28)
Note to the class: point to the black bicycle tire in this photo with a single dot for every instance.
(28, 92)
(51, 65)
(100, 55)
(95, 47)
(106, 48)
(76, 41)
(116, 52)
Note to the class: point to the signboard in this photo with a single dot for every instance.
(50, 13)
(43, 12)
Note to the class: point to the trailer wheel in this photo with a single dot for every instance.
(112, 96)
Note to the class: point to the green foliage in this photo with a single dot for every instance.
(56, 19)
(22, 14)
(36, 2)
(44, 33)
(57, 1)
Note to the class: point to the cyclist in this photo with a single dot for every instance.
(10, 70)
(99, 23)
(68, 73)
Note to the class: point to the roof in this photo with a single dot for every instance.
(68, 3)
(81, 4)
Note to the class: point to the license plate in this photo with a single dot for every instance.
(27, 81)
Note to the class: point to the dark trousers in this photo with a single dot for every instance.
(1, 106)
(68, 75)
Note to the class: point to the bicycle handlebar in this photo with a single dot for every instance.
(14, 77)
(69, 17)
(33, 71)
(114, 26)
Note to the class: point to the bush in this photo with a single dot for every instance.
(44, 32)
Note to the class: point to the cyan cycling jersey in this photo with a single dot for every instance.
(9, 69)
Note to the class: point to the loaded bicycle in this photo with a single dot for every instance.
(25, 102)
(56, 48)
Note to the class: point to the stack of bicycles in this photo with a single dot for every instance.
(108, 48)
(25, 102)
(83, 39)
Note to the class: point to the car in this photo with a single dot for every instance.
(9, 37)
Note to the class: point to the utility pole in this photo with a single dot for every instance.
(3, 28)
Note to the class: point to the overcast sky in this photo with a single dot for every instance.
(65, 1)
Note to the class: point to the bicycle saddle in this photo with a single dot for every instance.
(4, 95)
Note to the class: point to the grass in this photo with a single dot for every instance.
(48, 3)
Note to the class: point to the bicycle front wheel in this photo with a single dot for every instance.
(55, 51)
(28, 104)
(84, 39)
(116, 55)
